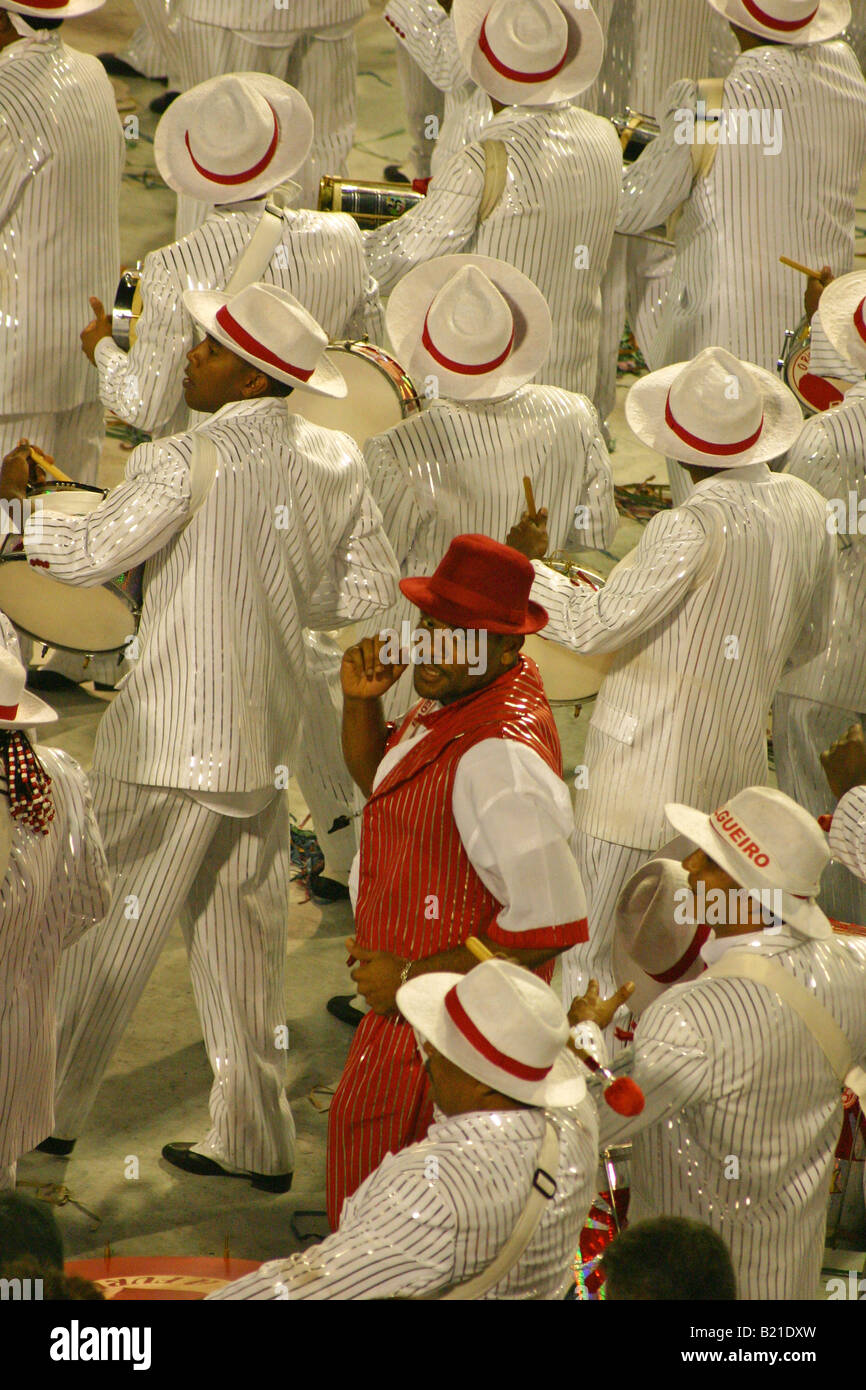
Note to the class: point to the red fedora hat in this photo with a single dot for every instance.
(479, 583)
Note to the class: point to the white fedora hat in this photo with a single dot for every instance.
(233, 137)
(503, 1026)
(529, 52)
(714, 411)
(843, 316)
(656, 943)
(765, 841)
(53, 9)
(787, 21)
(19, 708)
(479, 325)
(265, 325)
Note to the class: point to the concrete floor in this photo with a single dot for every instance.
(157, 1085)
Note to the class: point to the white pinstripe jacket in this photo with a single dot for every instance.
(61, 156)
(263, 16)
(438, 1212)
(554, 222)
(702, 616)
(743, 1113)
(287, 538)
(848, 832)
(728, 288)
(320, 260)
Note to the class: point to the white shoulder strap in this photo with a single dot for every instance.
(259, 251)
(748, 965)
(203, 466)
(540, 1193)
(495, 173)
(711, 92)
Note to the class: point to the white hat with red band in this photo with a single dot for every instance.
(529, 52)
(18, 707)
(843, 316)
(787, 21)
(233, 137)
(714, 411)
(53, 9)
(500, 1024)
(267, 326)
(655, 942)
(765, 841)
(476, 324)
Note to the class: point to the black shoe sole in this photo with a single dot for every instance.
(180, 1155)
(328, 890)
(340, 1006)
(118, 67)
(60, 1148)
(160, 105)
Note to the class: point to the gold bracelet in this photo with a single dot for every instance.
(404, 973)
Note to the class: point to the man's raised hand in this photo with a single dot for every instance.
(363, 675)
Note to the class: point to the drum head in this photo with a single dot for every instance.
(380, 394)
(71, 499)
(815, 393)
(62, 615)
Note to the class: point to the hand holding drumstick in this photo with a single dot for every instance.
(818, 282)
(530, 536)
(25, 467)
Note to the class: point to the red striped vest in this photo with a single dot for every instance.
(418, 892)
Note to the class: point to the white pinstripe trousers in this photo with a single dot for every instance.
(228, 879)
(604, 869)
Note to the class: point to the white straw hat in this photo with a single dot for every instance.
(502, 1025)
(787, 21)
(714, 411)
(265, 325)
(19, 708)
(843, 316)
(53, 9)
(765, 841)
(479, 325)
(655, 942)
(529, 52)
(233, 137)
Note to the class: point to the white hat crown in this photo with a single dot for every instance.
(233, 133)
(12, 681)
(779, 843)
(717, 403)
(527, 36)
(266, 324)
(469, 322)
(645, 919)
(511, 1020)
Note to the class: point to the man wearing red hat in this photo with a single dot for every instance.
(465, 832)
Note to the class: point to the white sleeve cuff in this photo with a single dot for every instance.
(107, 352)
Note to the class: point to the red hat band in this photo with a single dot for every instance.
(707, 446)
(473, 1035)
(859, 320)
(463, 368)
(784, 26)
(229, 179)
(248, 343)
(514, 74)
(8, 711)
(687, 959)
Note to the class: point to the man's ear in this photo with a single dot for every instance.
(511, 649)
(256, 384)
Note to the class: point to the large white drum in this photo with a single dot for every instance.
(380, 393)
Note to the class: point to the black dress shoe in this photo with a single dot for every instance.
(116, 66)
(328, 890)
(394, 174)
(61, 1148)
(180, 1155)
(40, 678)
(341, 1007)
(160, 105)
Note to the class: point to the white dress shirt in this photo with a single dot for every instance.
(438, 1212)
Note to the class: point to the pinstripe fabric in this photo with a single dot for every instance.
(730, 1071)
(728, 288)
(538, 226)
(262, 16)
(604, 869)
(702, 617)
(61, 154)
(228, 879)
(440, 1211)
(288, 538)
(457, 468)
(319, 768)
(55, 888)
(848, 831)
(73, 437)
(319, 260)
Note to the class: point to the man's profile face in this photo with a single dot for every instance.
(454, 1091)
(215, 376)
(453, 670)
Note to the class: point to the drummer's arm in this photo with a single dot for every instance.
(361, 578)
(639, 593)
(593, 515)
(392, 488)
(671, 1063)
(425, 30)
(660, 180)
(134, 521)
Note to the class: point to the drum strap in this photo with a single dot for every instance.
(711, 92)
(259, 251)
(746, 965)
(495, 171)
(541, 1192)
(202, 467)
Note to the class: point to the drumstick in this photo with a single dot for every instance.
(45, 463)
(530, 499)
(478, 949)
(803, 269)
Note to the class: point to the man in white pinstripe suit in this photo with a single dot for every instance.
(720, 595)
(254, 526)
(61, 156)
(540, 188)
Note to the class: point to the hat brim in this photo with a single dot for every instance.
(419, 590)
(833, 16)
(70, 11)
(204, 305)
(175, 164)
(804, 915)
(836, 308)
(625, 967)
(422, 1004)
(586, 36)
(645, 413)
(31, 710)
(407, 309)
